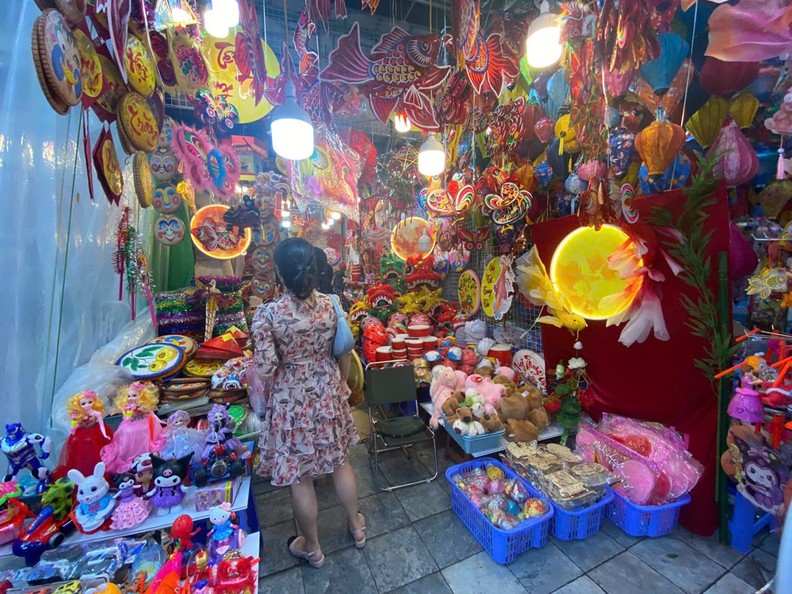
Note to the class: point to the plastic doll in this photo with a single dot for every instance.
(224, 536)
(180, 438)
(140, 430)
(169, 489)
(95, 504)
(19, 447)
(85, 410)
(143, 470)
(182, 531)
(131, 509)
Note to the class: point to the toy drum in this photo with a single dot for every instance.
(398, 353)
(384, 353)
(397, 342)
(419, 330)
(429, 343)
(501, 354)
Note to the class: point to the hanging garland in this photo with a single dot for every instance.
(131, 265)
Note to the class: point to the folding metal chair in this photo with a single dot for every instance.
(394, 385)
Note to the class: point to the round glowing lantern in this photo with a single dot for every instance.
(216, 238)
(580, 273)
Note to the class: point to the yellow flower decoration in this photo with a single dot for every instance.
(767, 282)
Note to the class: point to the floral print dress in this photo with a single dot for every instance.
(307, 427)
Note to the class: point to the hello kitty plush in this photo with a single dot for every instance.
(224, 536)
(94, 502)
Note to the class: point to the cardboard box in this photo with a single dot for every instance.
(215, 494)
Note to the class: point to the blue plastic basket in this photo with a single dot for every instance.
(580, 524)
(487, 443)
(502, 545)
(645, 520)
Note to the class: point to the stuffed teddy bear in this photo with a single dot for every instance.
(476, 403)
(461, 378)
(514, 407)
(533, 396)
(491, 423)
(444, 382)
(485, 369)
(521, 430)
(538, 417)
(465, 414)
(472, 428)
(451, 405)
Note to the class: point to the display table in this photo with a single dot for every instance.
(243, 505)
(252, 548)
(553, 430)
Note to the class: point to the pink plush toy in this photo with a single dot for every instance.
(491, 391)
(470, 358)
(461, 379)
(444, 382)
(506, 372)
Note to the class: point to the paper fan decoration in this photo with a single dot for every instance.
(413, 237)
(214, 237)
(469, 292)
(497, 287)
(453, 201)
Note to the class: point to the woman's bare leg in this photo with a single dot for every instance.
(306, 512)
(346, 486)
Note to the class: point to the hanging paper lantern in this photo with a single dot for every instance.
(559, 162)
(742, 259)
(612, 116)
(557, 93)
(621, 144)
(676, 176)
(743, 109)
(705, 124)
(659, 143)
(575, 185)
(566, 135)
(659, 73)
(525, 177)
(737, 162)
(722, 78)
(544, 129)
(543, 174)
(592, 169)
(764, 84)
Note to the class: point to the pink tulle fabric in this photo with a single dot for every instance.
(751, 31)
(132, 438)
(130, 513)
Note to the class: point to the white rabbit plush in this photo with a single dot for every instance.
(94, 502)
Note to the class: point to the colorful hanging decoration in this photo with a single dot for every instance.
(750, 31)
(169, 229)
(117, 13)
(509, 205)
(167, 199)
(139, 67)
(659, 143)
(249, 55)
(625, 34)
(90, 68)
(189, 64)
(132, 266)
(671, 100)
(398, 75)
(215, 112)
(214, 237)
(137, 125)
(743, 108)
(208, 167)
(736, 162)
(360, 142)
(497, 287)
(706, 123)
(413, 237)
(108, 168)
(675, 176)
(723, 78)
(474, 240)
(487, 66)
(173, 13)
(398, 170)
(319, 10)
(57, 60)
(453, 201)
(141, 175)
(469, 293)
(660, 72)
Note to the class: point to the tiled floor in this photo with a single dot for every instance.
(416, 544)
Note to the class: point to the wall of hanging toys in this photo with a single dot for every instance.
(570, 217)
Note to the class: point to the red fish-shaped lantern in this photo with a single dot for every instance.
(360, 142)
(397, 75)
(659, 143)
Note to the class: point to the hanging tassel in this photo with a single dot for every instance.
(780, 167)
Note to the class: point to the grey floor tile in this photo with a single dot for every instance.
(274, 507)
(262, 485)
(398, 468)
(383, 513)
(274, 552)
(424, 500)
(618, 535)
(447, 538)
(431, 584)
(723, 555)
(333, 530)
(582, 585)
(770, 544)
(427, 459)
(589, 553)
(627, 574)
(398, 558)
(285, 582)
(756, 569)
(730, 584)
(681, 564)
(343, 572)
(543, 570)
(479, 574)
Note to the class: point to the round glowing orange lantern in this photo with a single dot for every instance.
(659, 143)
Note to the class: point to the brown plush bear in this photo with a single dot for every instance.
(485, 370)
(514, 407)
(451, 405)
(502, 380)
(464, 413)
(491, 423)
(533, 396)
(521, 430)
(538, 417)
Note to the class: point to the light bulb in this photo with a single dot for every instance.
(431, 157)
(543, 44)
(335, 215)
(402, 123)
(214, 25)
(291, 129)
(285, 214)
(325, 226)
(227, 11)
(286, 223)
(179, 15)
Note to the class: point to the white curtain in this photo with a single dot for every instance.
(58, 287)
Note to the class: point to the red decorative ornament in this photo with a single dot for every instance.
(722, 78)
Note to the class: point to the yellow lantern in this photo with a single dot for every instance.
(659, 143)
(705, 124)
(743, 108)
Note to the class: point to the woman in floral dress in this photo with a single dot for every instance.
(307, 428)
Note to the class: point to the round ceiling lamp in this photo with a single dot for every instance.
(228, 11)
(291, 129)
(431, 157)
(580, 273)
(543, 45)
(214, 24)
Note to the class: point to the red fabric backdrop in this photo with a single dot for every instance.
(654, 381)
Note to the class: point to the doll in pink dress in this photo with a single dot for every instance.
(85, 411)
(140, 431)
(131, 509)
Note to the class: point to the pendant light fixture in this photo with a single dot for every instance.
(401, 122)
(543, 45)
(220, 17)
(431, 157)
(291, 129)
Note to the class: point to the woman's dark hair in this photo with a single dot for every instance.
(296, 264)
(324, 271)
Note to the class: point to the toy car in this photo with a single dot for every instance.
(52, 524)
(221, 463)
